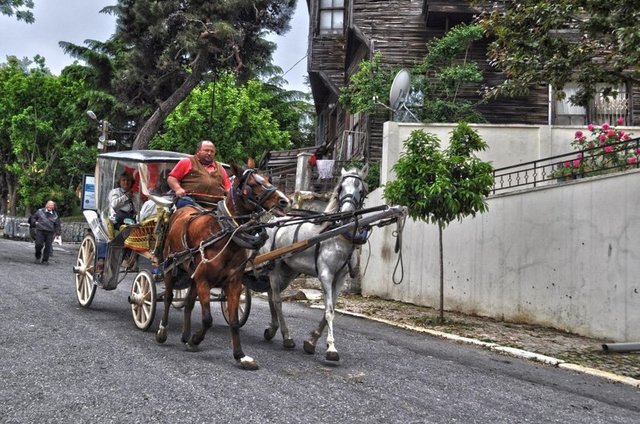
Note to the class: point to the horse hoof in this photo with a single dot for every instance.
(192, 347)
(332, 356)
(268, 334)
(309, 347)
(248, 363)
(289, 343)
(161, 335)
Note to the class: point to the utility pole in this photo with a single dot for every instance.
(103, 140)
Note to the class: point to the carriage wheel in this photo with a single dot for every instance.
(244, 307)
(85, 285)
(143, 300)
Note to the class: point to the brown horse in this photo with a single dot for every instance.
(210, 249)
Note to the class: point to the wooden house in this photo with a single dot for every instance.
(342, 33)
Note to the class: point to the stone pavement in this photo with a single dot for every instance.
(546, 345)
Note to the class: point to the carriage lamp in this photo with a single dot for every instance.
(103, 139)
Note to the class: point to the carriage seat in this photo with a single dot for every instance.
(146, 236)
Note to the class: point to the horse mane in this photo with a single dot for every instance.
(332, 206)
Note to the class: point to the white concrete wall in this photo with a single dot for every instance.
(563, 255)
(508, 144)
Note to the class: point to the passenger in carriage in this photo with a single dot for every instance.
(122, 209)
(200, 177)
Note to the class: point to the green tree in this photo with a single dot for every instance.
(438, 186)
(293, 109)
(368, 85)
(442, 82)
(557, 42)
(22, 9)
(447, 76)
(40, 134)
(236, 118)
(169, 47)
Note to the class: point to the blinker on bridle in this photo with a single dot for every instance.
(351, 198)
(246, 190)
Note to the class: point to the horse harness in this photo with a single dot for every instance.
(357, 237)
(247, 235)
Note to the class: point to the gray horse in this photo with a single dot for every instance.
(328, 260)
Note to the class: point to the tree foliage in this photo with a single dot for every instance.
(444, 75)
(562, 41)
(438, 186)
(440, 84)
(169, 47)
(368, 85)
(236, 118)
(21, 9)
(43, 154)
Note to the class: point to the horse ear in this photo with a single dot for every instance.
(237, 170)
(251, 163)
(365, 170)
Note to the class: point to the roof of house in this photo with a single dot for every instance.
(284, 158)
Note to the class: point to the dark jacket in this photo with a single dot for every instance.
(46, 221)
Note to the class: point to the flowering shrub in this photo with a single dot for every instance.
(602, 149)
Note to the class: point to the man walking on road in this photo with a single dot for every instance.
(47, 227)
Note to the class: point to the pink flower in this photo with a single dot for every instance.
(576, 163)
(608, 149)
(578, 134)
(627, 137)
(566, 164)
(611, 133)
(621, 120)
(638, 151)
(602, 138)
(590, 127)
(619, 135)
(605, 126)
(632, 160)
(580, 156)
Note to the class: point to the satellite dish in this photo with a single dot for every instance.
(399, 89)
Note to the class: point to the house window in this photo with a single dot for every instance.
(331, 16)
(603, 108)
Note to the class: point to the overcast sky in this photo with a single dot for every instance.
(79, 20)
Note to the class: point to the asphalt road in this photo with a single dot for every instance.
(60, 363)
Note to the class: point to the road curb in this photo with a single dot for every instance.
(504, 350)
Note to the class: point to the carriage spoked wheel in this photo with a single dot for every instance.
(84, 271)
(244, 307)
(143, 300)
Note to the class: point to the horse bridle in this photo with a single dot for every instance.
(244, 190)
(356, 201)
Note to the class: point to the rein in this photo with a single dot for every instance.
(247, 235)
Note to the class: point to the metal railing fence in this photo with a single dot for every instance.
(598, 160)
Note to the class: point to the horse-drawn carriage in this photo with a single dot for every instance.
(107, 256)
(220, 254)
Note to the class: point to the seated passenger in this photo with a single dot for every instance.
(122, 210)
(147, 210)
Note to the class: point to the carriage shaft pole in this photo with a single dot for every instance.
(305, 244)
